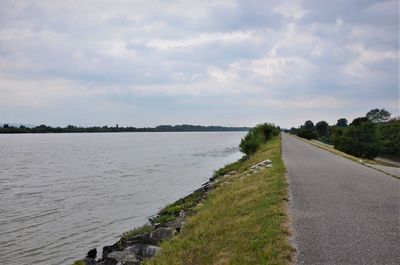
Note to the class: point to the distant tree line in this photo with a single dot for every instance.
(374, 134)
(257, 136)
(75, 129)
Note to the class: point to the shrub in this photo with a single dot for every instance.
(389, 136)
(250, 143)
(257, 136)
(307, 134)
(267, 130)
(360, 141)
(326, 139)
(353, 146)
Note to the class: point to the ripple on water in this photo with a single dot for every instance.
(62, 194)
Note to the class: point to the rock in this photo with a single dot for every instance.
(107, 250)
(89, 261)
(90, 257)
(135, 249)
(161, 234)
(182, 214)
(270, 165)
(150, 251)
(124, 257)
(143, 238)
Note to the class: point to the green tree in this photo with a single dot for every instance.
(322, 128)
(309, 125)
(341, 122)
(359, 140)
(359, 121)
(389, 136)
(378, 115)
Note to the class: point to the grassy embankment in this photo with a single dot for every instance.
(243, 221)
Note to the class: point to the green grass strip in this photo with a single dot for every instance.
(243, 221)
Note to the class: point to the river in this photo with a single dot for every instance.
(63, 194)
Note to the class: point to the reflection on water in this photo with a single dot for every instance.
(63, 194)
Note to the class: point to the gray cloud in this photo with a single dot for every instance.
(306, 58)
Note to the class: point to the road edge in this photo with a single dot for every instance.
(344, 155)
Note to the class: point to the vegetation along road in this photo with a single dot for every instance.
(343, 212)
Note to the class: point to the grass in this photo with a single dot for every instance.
(363, 161)
(337, 152)
(171, 212)
(240, 222)
(226, 169)
(137, 231)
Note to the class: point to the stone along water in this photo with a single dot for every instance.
(62, 194)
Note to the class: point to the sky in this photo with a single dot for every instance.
(217, 62)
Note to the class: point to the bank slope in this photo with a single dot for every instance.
(241, 222)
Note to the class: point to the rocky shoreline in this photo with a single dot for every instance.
(144, 242)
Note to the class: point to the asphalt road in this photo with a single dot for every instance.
(343, 212)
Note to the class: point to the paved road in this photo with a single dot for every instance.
(343, 212)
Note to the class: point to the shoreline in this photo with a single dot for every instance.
(143, 242)
(216, 217)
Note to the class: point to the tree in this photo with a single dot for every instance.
(307, 134)
(360, 141)
(378, 115)
(389, 135)
(341, 122)
(359, 121)
(267, 130)
(309, 125)
(322, 128)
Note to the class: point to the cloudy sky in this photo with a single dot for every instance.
(216, 62)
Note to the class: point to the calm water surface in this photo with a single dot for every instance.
(62, 194)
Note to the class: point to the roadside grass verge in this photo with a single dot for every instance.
(337, 152)
(243, 221)
(363, 161)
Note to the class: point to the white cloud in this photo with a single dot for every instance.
(291, 9)
(202, 39)
(363, 66)
(290, 53)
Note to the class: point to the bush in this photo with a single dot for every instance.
(307, 134)
(326, 139)
(389, 136)
(257, 136)
(353, 146)
(360, 141)
(267, 130)
(250, 143)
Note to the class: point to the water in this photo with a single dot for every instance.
(63, 194)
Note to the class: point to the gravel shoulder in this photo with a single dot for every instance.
(343, 212)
